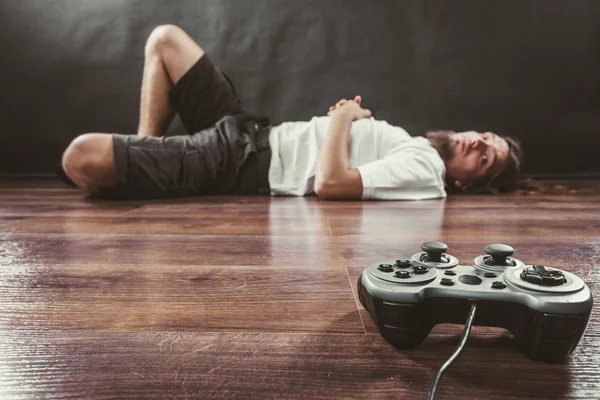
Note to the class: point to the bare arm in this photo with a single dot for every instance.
(334, 177)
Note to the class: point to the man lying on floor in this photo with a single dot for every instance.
(345, 155)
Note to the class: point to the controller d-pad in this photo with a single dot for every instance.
(402, 274)
(419, 269)
(470, 279)
(540, 275)
(386, 267)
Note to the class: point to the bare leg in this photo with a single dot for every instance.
(89, 162)
(169, 54)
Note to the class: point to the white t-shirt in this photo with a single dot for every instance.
(392, 164)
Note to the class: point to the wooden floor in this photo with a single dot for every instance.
(255, 297)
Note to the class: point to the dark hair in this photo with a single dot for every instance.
(508, 180)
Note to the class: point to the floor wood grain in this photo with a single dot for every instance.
(253, 297)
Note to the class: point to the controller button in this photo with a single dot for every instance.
(402, 263)
(447, 282)
(419, 269)
(490, 275)
(498, 285)
(402, 274)
(451, 273)
(558, 326)
(470, 279)
(540, 275)
(386, 267)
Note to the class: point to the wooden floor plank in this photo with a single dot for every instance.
(254, 221)
(580, 256)
(249, 365)
(161, 297)
(253, 297)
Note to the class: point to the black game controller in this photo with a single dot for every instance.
(546, 309)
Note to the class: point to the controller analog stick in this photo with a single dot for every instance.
(540, 275)
(434, 251)
(499, 254)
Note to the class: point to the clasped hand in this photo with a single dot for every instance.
(351, 108)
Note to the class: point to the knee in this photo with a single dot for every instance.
(161, 38)
(83, 159)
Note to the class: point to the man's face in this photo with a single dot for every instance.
(470, 157)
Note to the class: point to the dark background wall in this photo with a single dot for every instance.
(529, 68)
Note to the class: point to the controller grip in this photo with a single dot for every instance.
(398, 323)
(550, 337)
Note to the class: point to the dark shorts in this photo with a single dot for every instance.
(226, 152)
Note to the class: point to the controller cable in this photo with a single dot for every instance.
(454, 356)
